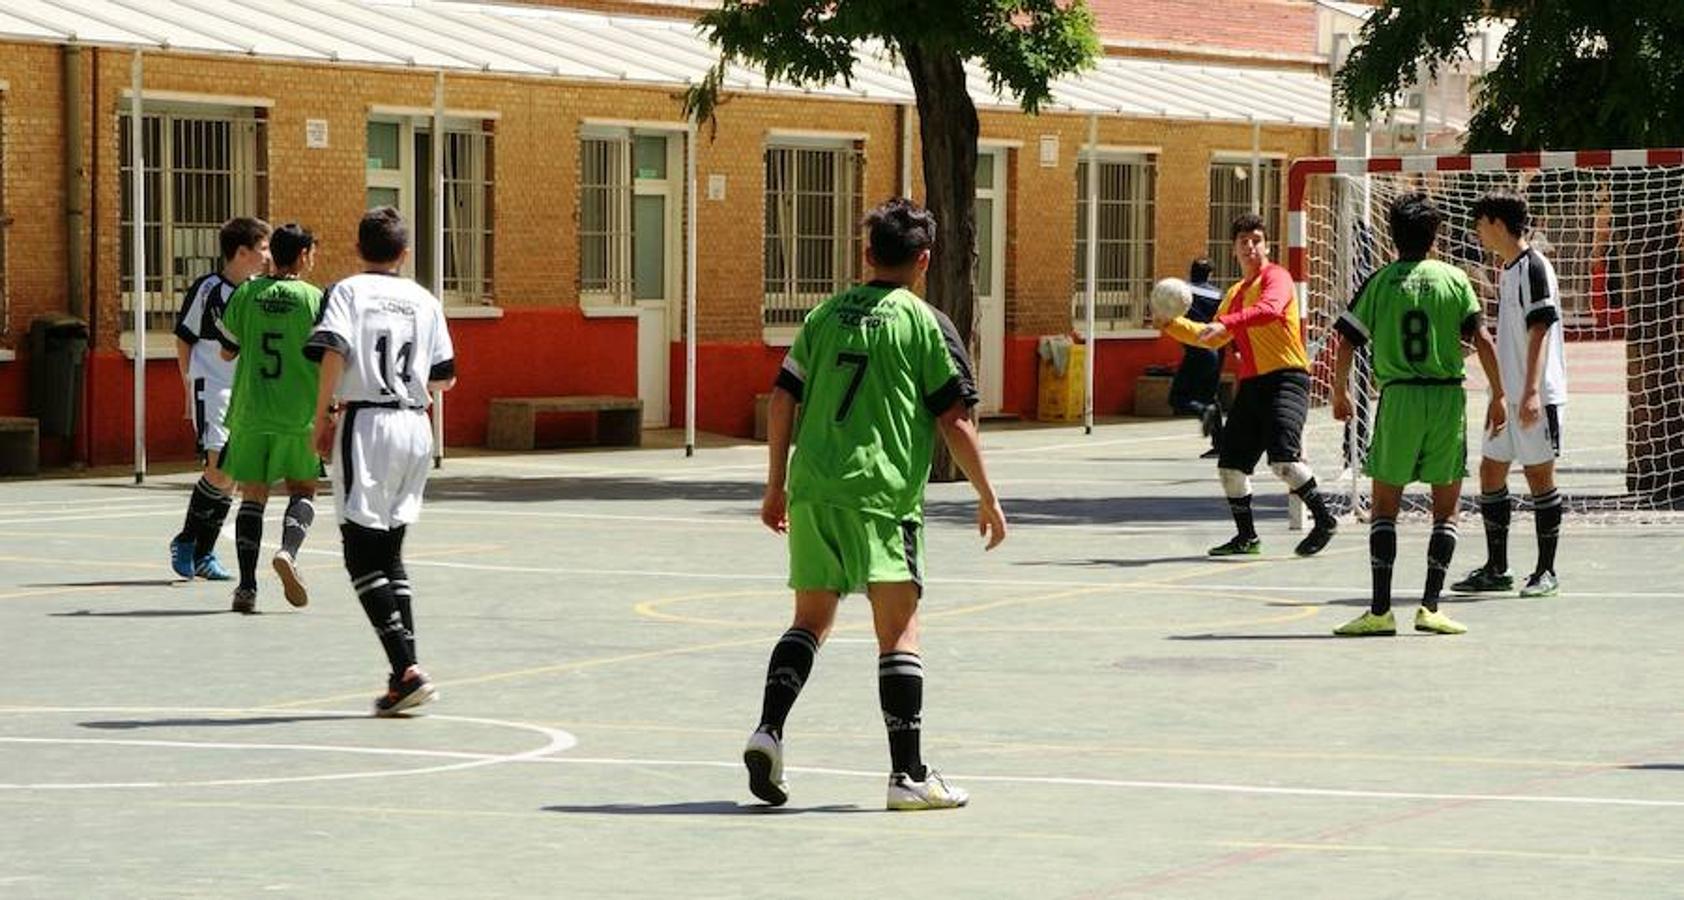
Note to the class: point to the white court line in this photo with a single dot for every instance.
(536, 514)
(557, 741)
(174, 509)
(1358, 589)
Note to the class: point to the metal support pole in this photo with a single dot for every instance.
(906, 150)
(1256, 167)
(690, 288)
(1092, 266)
(137, 253)
(437, 239)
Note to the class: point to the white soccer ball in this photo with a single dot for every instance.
(1171, 298)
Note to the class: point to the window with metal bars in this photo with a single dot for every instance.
(812, 228)
(630, 215)
(5, 227)
(203, 166)
(400, 174)
(1127, 196)
(1230, 196)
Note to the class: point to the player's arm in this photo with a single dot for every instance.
(1541, 316)
(1188, 332)
(1475, 333)
(1273, 299)
(329, 346)
(441, 375)
(333, 366)
(780, 426)
(1353, 326)
(960, 434)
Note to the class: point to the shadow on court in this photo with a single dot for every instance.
(120, 582)
(1140, 563)
(543, 490)
(141, 613)
(1325, 636)
(1102, 510)
(132, 724)
(705, 808)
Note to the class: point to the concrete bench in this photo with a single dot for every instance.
(512, 423)
(20, 446)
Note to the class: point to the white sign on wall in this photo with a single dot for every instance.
(315, 133)
(1049, 151)
(716, 187)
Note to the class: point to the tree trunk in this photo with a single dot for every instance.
(947, 124)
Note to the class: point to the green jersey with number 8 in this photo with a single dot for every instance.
(872, 367)
(268, 321)
(1414, 313)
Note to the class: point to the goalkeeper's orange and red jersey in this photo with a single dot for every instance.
(1262, 321)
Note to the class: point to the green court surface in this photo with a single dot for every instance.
(1131, 718)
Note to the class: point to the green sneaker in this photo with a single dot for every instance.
(1238, 546)
(1482, 581)
(1541, 584)
(1435, 622)
(1369, 625)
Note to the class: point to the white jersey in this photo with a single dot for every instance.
(1527, 295)
(393, 336)
(196, 324)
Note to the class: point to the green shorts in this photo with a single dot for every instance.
(1420, 434)
(263, 457)
(843, 550)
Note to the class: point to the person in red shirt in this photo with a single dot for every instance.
(1259, 319)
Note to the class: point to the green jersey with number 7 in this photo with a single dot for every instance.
(267, 322)
(872, 367)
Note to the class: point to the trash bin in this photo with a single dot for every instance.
(1062, 380)
(58, 349)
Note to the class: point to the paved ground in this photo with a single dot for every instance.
(1131, 718)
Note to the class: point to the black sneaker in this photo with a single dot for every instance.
(1212, 453)
(1317, 539)
(1238, 545)
(245, 601)
(407, 692)
(1484, 580)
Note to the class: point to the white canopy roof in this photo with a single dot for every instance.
(582, 46)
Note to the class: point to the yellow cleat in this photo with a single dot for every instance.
(1369, 625)
(1437, 623)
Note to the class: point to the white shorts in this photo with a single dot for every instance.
(380, 463)
(1528, 446)
(210, 404)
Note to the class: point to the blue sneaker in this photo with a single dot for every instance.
(181, 558)
(210, 569)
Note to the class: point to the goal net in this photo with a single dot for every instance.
(1611, 223)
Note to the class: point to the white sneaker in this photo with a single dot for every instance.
(293, 583)
(931, 793)
(764, 757)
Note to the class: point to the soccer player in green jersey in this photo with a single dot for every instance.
(877, 373)
(1414, 314)
(273, 409)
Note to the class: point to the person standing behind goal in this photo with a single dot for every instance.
(1414, 313)
(1259, 316)
(383, 347)
(210, 382)
(877, 373)
(1531, 352)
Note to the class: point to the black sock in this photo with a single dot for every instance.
(1441, 548)
(1382, 552)
(1316, 503)
(207, 509)
(786, 673)
(900, 690)
(1495, 509)
(365, 556)
(300, 514)
(401, 593)
(206, 539)
(1240, 508)
(248, 539)
(1546, 507)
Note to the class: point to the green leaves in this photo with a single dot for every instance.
(1571, 74)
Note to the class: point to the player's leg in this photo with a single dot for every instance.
(1538, 462)
(248, 540)
(1496, 508)
(402, 594)
(826, 560)
(295, 526)
(1382, 554)
(406, 440)
(1441, 549)
(216, 439)
(1242, 447)
(1289, 408)
(1443, 422)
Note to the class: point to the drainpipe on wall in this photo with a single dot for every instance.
(75, 185)
(137, 157)
(437, 239)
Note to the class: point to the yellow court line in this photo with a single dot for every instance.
(160, 567)
(69, 589)
(1455, 851)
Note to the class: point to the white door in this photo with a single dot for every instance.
(657, 173)
(991, 276)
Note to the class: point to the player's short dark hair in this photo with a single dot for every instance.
(1199, 271)
(244, 231)
(288, 243)
(899, 230)
(1245, 223)
(382, 235)
(1415, 222)
(1506, 207)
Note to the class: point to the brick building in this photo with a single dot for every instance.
(565, 189)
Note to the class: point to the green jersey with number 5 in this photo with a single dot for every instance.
(872, 367)
(1414, 313)
(268, 321)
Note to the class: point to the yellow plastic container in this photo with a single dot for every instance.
(1061, 396)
